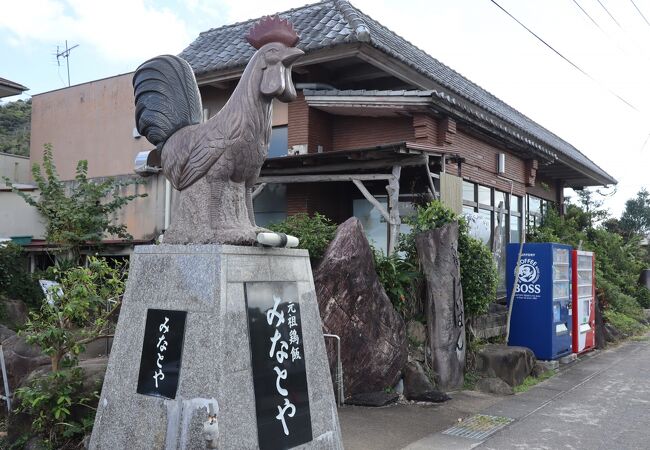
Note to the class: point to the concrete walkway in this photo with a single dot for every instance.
(601, 401)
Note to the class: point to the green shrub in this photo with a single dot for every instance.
(15, 282)
(399, 277)
(623, 323)
(314, 232)
(60, 410)
(478, 272)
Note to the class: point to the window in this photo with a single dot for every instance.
(537, 210)
(373, 222)
(271, 205)
(279, 142)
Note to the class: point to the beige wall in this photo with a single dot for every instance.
(92, 121)
(17, 218)
(16, 168)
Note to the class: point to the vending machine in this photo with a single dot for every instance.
(541, 312)
(584, 301)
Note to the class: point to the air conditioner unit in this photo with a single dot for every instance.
(300, 149)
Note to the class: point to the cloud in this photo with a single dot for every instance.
(120, 30)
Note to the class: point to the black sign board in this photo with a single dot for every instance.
(278, 360)
(162, 349)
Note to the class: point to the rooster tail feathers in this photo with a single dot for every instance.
(167, 98)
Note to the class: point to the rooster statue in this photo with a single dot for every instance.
(215, 164)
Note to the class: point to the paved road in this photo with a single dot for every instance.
(600, 402)
(607, 407)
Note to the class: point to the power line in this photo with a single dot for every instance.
(609, 14)
(637, 8)
(575, 66)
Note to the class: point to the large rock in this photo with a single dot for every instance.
(15, 311)
(438, 254)
(494, 386)
(511, 364)
(416, 380)
(416, 332)
(354, 306)
(21, 359)
(5, 333)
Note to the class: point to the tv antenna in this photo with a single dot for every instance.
(65, 54)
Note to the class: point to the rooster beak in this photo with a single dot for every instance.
(291, 55)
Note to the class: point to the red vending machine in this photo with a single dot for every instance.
(584, 301)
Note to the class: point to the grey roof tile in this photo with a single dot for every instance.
(335, 22)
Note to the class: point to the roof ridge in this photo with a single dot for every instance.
(244, 22)
(351, 14)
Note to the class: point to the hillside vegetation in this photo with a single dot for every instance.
(15, 121)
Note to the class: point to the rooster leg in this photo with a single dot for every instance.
(249, 206)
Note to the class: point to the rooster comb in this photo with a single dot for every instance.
(272, 29)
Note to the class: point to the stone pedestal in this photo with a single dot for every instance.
(216, 372)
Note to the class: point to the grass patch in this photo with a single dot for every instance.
(640, 338)
(529, 381)
(623, 323)
(471, 378)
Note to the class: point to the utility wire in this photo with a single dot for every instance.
(609, 14)
(575, 66)
(637, 8)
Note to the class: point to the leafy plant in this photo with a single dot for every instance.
(58, 405)
(399, 277)
(314, 232)
(80, 313)
(15, 282)
(81, 213)
(531, 381)
(623, 323)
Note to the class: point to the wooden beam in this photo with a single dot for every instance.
(372, 199)
(323, 178)
(394, 220)
(352, 165)
(258, 190)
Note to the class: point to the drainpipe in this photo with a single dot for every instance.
(168, 203)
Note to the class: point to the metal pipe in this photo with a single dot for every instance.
(7, 395)
(168, 203)
(339, 369)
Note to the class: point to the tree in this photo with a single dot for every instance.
(78, 313)
(79, 214)
(635, 220)
(15, 121)
(591, 207)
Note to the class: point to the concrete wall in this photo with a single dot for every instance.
(17, 218)
(15, 167)
(92, 121)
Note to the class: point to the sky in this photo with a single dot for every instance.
(599, 101)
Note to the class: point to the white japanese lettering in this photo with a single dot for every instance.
(293, 337)
(273, 313)
(158, 376)
(282, 410)
(295, 354)
(164, 326)
(282, 375)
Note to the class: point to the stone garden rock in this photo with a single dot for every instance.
(438, 255)
(432, 396)
(21, 359)
(511, 364)
(15, 312)
(354, 306)
(416, 332)
(416, 380)
(611, 333)
(541, 367)
(373, 399)
(494, 385)
(6, 333)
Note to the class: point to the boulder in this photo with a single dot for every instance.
(416, 332)
(354, 306)
(373, 399)
(432, 396)
(15, 312)
(6, 333)
(541, 367)
(438, 255)
(21, 359)
(416, 380)
(511, 364)
(494, 386)
(94, 371)
(611, 333)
